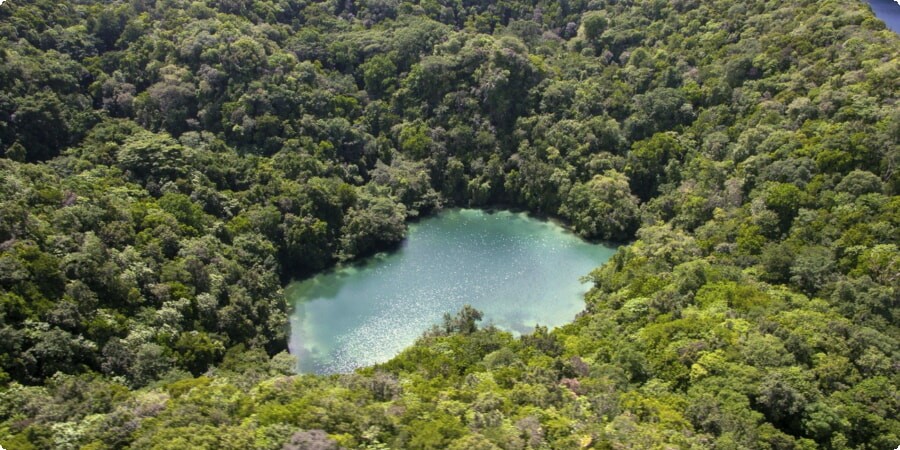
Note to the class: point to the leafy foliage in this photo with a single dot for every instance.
(167, 166)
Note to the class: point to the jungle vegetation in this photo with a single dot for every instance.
(168, 165)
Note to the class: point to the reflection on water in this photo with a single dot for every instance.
(519, 271)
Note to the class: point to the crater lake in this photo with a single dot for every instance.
(518, 270)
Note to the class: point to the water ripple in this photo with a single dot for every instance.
(519, 271)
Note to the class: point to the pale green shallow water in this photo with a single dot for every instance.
(518, 270)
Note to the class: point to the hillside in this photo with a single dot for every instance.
(168, 166)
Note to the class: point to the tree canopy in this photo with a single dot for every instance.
(165, 167)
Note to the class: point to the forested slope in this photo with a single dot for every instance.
(167, 166)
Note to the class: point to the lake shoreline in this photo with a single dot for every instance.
(433, 212)
(519, 270)
(363, 259)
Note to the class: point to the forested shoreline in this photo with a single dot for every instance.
(167, 166)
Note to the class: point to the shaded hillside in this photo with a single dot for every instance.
(168, 165)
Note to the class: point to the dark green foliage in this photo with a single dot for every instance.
(464, 322)
(167, 166)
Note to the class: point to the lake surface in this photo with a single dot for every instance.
(888, 11)
(518, 270)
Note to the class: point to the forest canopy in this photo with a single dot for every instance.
(166, 166)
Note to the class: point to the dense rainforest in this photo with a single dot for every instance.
(168, 165)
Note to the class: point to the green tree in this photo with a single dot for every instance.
(379, 75)
(603, 207)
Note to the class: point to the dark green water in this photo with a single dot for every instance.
(518, 270)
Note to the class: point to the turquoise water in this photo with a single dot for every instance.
(518, 270)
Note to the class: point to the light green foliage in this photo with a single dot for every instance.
(603, 207)
(166, 167)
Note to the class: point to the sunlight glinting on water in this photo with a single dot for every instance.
(518, 270)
